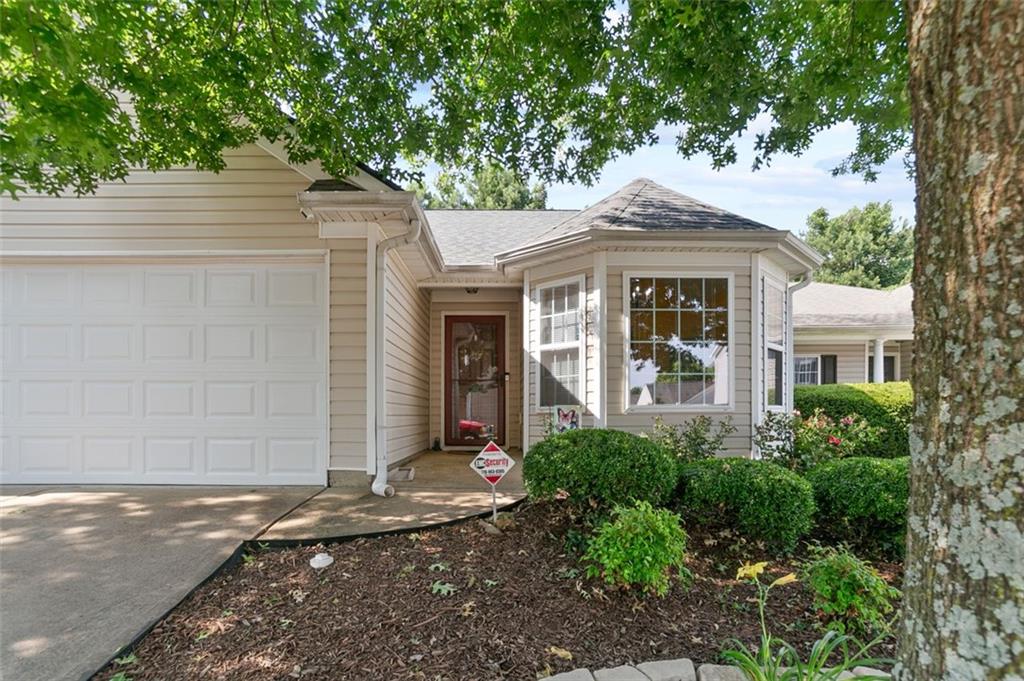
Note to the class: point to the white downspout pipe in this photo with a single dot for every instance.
(380, 485)
(790, 363)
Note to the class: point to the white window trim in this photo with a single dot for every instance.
(581, 281)
(730, 342)
(817, 358)
(768, 281)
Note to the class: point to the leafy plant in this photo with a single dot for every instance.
(698, 438)
(864, 501)
(120, 676)
(830, 658)
(438, 567)
(761, 500)
(130, 658)
(850, 594)
(638, 547)
(439, 588)
(801, 442)
(886, 406)
(598, 468)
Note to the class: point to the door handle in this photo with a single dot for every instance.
(504, 378)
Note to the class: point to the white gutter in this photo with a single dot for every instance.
(790, 365)
(380, 485)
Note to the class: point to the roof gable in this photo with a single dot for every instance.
(644, 205)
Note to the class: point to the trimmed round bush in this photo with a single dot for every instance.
(760, 499)
(600, 468)
(863, 500)
(889, 406)
(638, 547)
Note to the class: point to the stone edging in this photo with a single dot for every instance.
(678, 670)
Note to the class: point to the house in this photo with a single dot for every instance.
(272, 325)
(847, 334)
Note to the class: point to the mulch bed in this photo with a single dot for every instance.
(372, 614)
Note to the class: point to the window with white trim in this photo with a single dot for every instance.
(678, 341)
(773, 333)
(561, 347)
(806, 370)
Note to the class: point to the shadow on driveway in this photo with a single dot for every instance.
(83, 570)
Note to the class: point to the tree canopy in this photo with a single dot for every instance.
(862, 247)
(556, 89)
(90, 88)
(489, 187)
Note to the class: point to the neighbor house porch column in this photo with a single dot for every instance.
(879, 360)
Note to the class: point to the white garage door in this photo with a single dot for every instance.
(158, 373)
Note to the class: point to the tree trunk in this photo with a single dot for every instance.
(964, 585)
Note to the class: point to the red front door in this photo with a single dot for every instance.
(474, 379)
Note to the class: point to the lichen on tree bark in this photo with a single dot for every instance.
(964, 584)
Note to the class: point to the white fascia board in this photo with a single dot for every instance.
(802, 256)
(851, 333)
(311, 170)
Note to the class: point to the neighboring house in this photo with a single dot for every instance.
(847, 334)
(270, 325)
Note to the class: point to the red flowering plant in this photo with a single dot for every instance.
(801, 442)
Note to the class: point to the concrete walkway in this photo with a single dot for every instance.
(443, 490)
(83, 570)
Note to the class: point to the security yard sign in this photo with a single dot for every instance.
(492, 464)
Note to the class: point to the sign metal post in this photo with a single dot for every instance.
(491, 464)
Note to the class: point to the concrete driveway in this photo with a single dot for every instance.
(83, 570)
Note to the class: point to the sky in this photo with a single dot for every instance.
(780, 196)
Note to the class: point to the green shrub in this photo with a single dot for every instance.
(863, 501)
(696, 439)
(850, 594)
(638, 547)
(889, 406)
(600, 468)
(762, 500)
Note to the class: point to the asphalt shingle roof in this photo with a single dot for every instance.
(472, 237)
(820, 304)
(645, 205)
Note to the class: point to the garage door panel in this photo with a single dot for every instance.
(231, 288)
(169, 374)
(108, 342)
(162, 289)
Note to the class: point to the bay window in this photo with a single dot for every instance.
(562, 343)
(678, 341)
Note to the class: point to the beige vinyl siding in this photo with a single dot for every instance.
(485, 301)
(851, 360)
(348, 324)
(249, 205)
(737, 444)
(407, 374)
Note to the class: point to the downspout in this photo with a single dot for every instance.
(790, 368)
(380, 485)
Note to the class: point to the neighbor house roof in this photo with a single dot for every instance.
(831, 305)
(472, 237)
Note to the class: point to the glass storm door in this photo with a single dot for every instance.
(474, 380)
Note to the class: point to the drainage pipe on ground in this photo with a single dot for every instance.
(380, 485)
